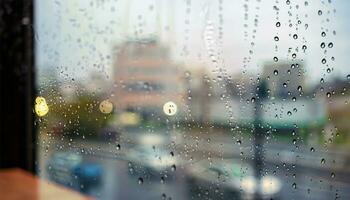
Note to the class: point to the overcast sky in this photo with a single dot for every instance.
(77, 36)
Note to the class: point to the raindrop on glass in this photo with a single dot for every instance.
(140, 180)
(332, 174)
(300, 88)
(173, 168)
(163, 196)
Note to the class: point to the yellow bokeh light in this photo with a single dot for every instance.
(41, 108)
(170, 108)
(106, 107)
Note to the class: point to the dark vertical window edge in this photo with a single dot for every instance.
(17, 135)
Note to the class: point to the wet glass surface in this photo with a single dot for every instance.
(194, 99)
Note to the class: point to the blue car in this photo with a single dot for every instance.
(70, 170)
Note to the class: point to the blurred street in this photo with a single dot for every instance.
(317, 174)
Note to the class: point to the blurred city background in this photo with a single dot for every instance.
(194, 99)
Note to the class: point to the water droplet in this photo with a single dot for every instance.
(239, 142)
(140, 180)
(294, 185)
(323, 45)
(173, 168)
(323, 34)
(328, 94)
(328, 70)
(300, 88)
(348, 76)
(163, 196)
(304, 47)
(332, 174)
(172, 153)
(294, 141)
(275, 72)
(312, 149)
(278, 24)
(276, 38)
(323, 161)
(162, 180)
(118, 147)
(275, 59)
(330, 45)
(294, 99)
(323, 61)
(293, 132)
(295, 36)
(319, 12)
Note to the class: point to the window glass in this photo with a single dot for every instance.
(193, 99)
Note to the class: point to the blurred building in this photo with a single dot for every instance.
(284, 78)
(289, 103)
(146, 77)
(200, 94)
(336, 95)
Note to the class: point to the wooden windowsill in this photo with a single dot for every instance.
(19, 184)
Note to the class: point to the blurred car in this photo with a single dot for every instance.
(151, 163)
(229, 179)
(69, 169)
